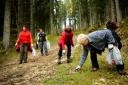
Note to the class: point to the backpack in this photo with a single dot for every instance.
(42, 37)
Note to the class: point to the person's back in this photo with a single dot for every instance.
(42, 37)
(100, 38)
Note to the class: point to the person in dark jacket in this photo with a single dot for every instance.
(66, 38)
(42, 40)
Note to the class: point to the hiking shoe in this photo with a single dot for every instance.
(68, 60)
(59, 63)
(25, 61)
(78, 68)
(20, 62)
(122, 72)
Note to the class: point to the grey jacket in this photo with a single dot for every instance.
(99, 39)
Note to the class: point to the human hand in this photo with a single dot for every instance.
(31, 45)
(72, 45)
(15, 44)
(63, 51)
(110, 47)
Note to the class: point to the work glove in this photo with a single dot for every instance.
(110, 47)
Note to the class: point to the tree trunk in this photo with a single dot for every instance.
(7, 22)
(20, 14)
(51, 17)
(112, 11)
(118, 11)
(32, 10)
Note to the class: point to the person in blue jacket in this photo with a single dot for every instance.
(98, 40)
(93, 52)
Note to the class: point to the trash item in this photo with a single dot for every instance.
(33, 52)
(48, 45)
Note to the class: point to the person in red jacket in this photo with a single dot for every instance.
(24, 43)
(66, 38)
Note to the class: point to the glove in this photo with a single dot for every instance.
(63, 51)
(15, 44)
(110, 46)
(78, 68)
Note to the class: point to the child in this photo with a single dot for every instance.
(98, 40)
(66, 38)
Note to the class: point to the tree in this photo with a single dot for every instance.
(118, 11)
(32, 18)
(7, 21)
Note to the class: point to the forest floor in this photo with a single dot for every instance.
(31, 73)
(43, 70)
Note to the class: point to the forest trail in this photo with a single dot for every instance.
(31, 73)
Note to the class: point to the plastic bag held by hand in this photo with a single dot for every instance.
(110, 46)
(33, 52)
(63, 51)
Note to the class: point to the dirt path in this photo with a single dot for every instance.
(32, 73)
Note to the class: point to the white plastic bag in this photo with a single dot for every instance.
(48, 45)
(33, 52)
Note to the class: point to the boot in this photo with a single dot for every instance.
(122, 72)
(68, 59)
(120, 69)
(20, 62)
(59, 60)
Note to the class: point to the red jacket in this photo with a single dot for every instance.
(24, 37)
(66, 38)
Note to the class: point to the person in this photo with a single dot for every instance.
(98, 40)
(66, 38)
(93, 52)
(42, 42)
(37, 34)
(24, 43)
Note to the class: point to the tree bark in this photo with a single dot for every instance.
(7, 22)
(20, 14)
(118, 11)
(113, 18)
(32, 10)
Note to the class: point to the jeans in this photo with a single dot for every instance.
(68, 51)
(24, 52)
(43, 47)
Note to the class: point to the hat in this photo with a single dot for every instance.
(82, 39)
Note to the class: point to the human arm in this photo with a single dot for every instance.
(83, 58)
(18, 39)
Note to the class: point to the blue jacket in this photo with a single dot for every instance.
(99, 39)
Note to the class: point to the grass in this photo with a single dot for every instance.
(65, 74)
(52, 39)
(11, 55)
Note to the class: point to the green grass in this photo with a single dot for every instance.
(11, 55)
(53, 39)
(65, 74)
